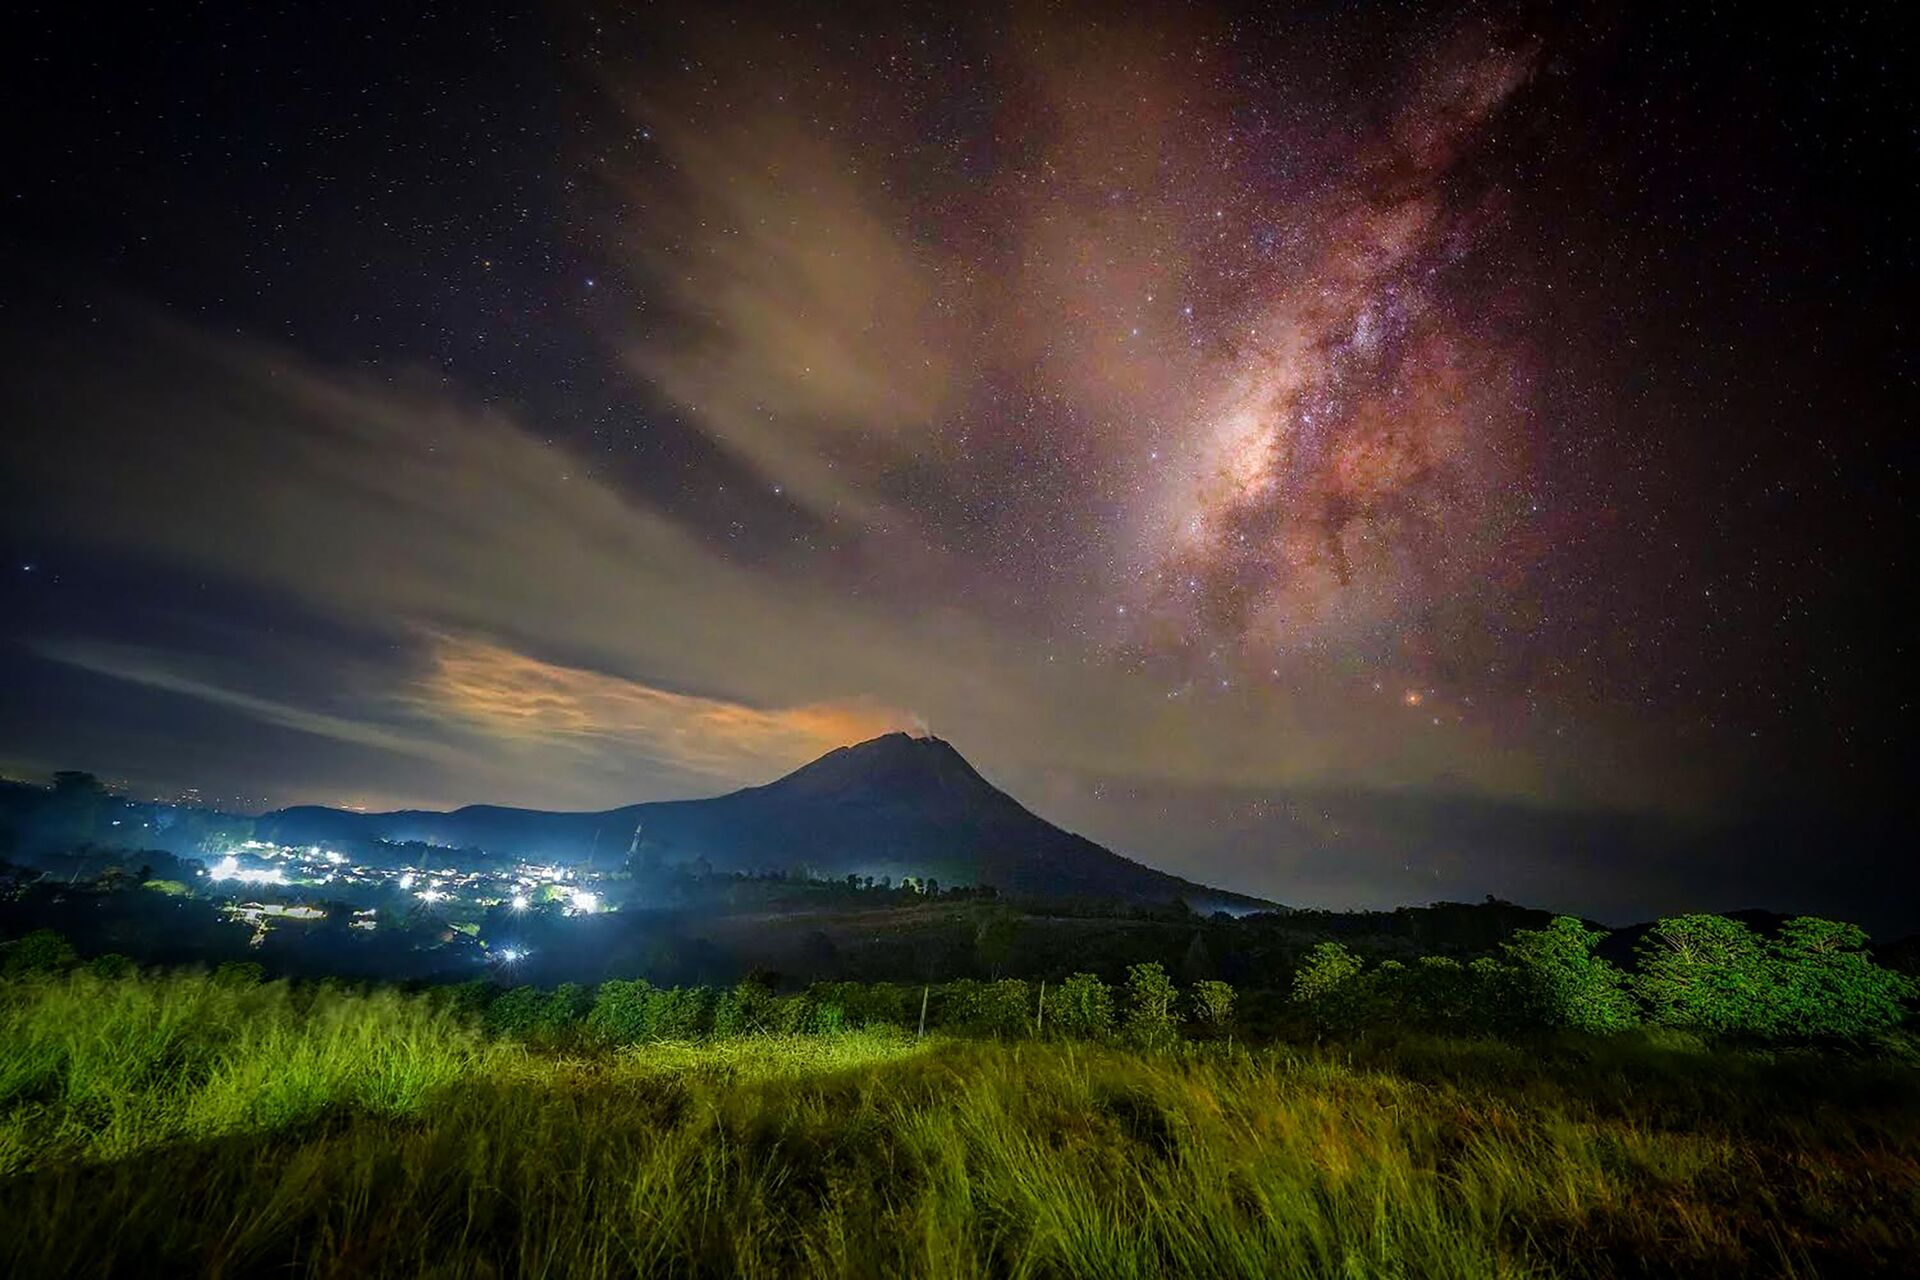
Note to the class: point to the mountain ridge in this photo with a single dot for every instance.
(896, 805)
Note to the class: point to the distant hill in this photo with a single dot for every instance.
(894, 806)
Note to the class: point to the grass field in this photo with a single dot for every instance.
(177, 1126)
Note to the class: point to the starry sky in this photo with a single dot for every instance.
(1353, 454)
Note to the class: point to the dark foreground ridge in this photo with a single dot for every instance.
(895, 806)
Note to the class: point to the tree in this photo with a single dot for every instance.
(1081, 1007)
(1563, 984)
(1324, 972)
(1441, 993)
(1333, 989)
(1827, 987)
(1709, 973)
(1147, 1018)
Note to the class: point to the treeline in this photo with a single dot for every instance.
(1812, 980)
(1147, 1009)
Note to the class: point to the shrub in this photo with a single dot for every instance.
(1561, 983)
(1003, 1008)
(619, 1013)
(748, 1009)
(677, 1013)
(863, 1005)
(562, 1011)
(112, 966)
(239, 973)
(1082, 1007)
(42, 951)
(516, 1012)
(825, 1019)
(1441, 994)
(889, 1003)
(789, 1015)
(1149, 1000)
(547, 1017)
(1708, 973)
(1210, 1007)
(729, 1018)
(470, 998)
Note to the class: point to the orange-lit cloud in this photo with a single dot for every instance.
(511, 695)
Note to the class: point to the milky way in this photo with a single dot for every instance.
(1369, 439)
(1215, 363)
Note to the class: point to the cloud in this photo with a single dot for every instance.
(801, 327)
(155, 670)
(510, 695)
(394, 505)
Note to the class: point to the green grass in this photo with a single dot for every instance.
(174, 1126)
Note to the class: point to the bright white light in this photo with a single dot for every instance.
(228, 868)
(510, 955)
(337, 859)
(584, 901)
(519, 902)
(406, 881)
(430, 895)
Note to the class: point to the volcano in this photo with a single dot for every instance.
(894, 806)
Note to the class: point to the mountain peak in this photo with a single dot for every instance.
(897, 763)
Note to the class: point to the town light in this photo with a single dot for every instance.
(228, 868)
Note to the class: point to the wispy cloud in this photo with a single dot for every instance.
(156, 670)
(512, 695)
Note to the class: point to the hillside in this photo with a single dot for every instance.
(894, 806)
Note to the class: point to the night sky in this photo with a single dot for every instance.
(1355, 455)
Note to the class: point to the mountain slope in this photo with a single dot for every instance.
(895, 806)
